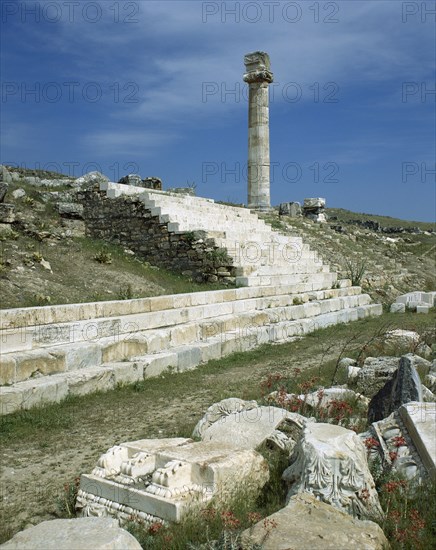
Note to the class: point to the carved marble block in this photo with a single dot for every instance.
(161, 479)
(330, 462)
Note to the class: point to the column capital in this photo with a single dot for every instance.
(258, 67)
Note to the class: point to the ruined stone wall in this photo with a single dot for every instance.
(127, 222)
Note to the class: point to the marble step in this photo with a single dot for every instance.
(318, 281)
(53, 389)
(121, 330)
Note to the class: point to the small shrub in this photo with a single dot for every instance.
(40, 300)
(190, 237)
(355, 270)
(297, 301)
(67, 501)
(37, 257)
(218, 257)
(125, 292)
(103, 257)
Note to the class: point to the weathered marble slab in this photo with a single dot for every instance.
(420, 421)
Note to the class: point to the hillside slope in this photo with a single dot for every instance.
(47, 258)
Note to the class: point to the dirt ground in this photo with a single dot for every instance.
(36, 466)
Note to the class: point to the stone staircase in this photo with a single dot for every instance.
(260, 255)
(48, 353)
(53, 351)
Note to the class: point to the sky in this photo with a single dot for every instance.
(156, 88)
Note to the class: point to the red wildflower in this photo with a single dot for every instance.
(371, 443)
(398, 441)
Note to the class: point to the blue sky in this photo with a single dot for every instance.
(156, 88)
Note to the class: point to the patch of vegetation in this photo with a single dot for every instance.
(65, 506)
(355, 270)
(409, 521)
(103, 257)
(219, 257)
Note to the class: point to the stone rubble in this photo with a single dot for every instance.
(306, 522)
(418, 301)
(72, 534)
(407, 440)
(403, 387)
(314, 209)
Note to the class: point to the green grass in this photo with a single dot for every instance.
(385, 221)
(173, 283)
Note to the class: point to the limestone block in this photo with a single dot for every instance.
(11, 400)
(352, 373)
(125, 347)
(159, 303)
(18, 193)
(37, 363)
(184, 334)
(70, 209)
(42, 391)
(345, 362)
(155, 365)
(157, 340)
(16, 339)
(188, 358)
(374, 374)
(330, 463)
(430, 381)
(82, 356)
(219, 411)
(7, 212)
(314, 203)
(422, 309)
(90, 380)
(398, 308)
(417, 297)
(249, 425)
(71, 534)
(210, 350)
(127, 372)
(420, 419)
(7, 370)
(305, 522)
(5, 230)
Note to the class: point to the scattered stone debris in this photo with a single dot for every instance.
(404, 386)
(406, 440)
(168, 476)
(418, 301)
(148, 183)
(314, 209)
(291, 209)
(3, 190)
(90, 179)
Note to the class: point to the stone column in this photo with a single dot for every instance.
(258, 76)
